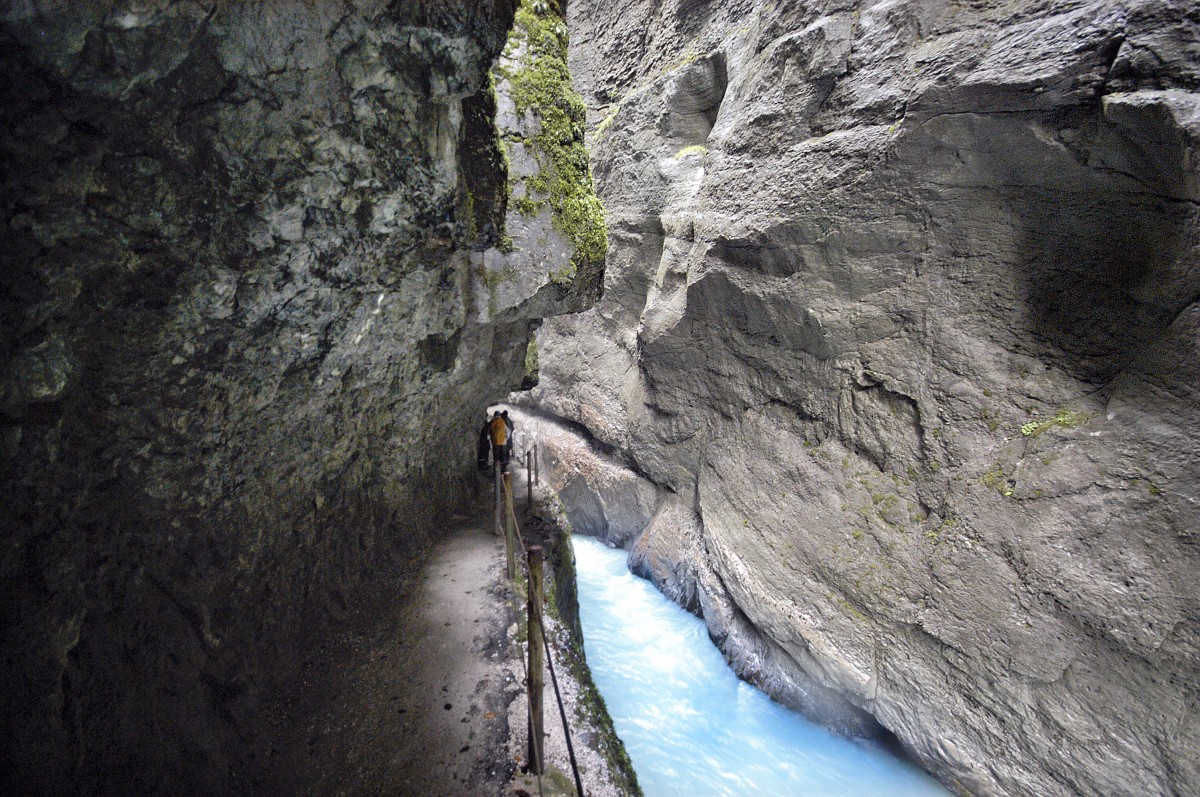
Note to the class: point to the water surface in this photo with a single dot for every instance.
(691, 727)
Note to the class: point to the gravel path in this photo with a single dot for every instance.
(457, 672)
(424, 695)
(415, 701)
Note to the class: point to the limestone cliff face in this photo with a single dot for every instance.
(247, 339)
(901, 320)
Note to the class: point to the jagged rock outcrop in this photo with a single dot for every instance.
(554, 257)
(601, 496)
(247, 339)
(902, 310)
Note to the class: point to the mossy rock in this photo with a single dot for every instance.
(543, 85)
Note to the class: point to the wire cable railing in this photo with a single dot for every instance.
(529, 567)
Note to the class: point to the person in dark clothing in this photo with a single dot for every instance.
(508, 422)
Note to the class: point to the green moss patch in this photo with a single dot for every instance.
(1067, 419)
(603, 125)
(998, 481)
(543, 85)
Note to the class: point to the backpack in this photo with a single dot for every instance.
(499, 431)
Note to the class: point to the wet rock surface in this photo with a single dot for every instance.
(901, 318)
(243, 357)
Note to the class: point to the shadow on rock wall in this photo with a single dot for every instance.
(236, 348)
(1096, 207)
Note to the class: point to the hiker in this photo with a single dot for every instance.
(483, 448)
(508, 422)
(499, 434)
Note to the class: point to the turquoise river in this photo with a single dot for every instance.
(690, 726)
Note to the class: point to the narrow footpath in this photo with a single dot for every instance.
(425, 695)
(416, 701)
(455, 666)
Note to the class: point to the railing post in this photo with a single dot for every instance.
(499, 500)
(509, 531)
(529, 482)
(536, 642)
(535, 464)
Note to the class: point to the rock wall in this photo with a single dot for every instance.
(901, 318)
(248, 333)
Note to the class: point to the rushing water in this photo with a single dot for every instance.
(690, 726)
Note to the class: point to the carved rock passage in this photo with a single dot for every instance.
(901, 309)
(242, 362)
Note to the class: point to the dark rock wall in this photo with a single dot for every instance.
(901, 317)
(240, 361)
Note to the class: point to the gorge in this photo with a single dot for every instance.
(885, 361)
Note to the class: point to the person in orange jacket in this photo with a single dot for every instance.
(499, 432)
